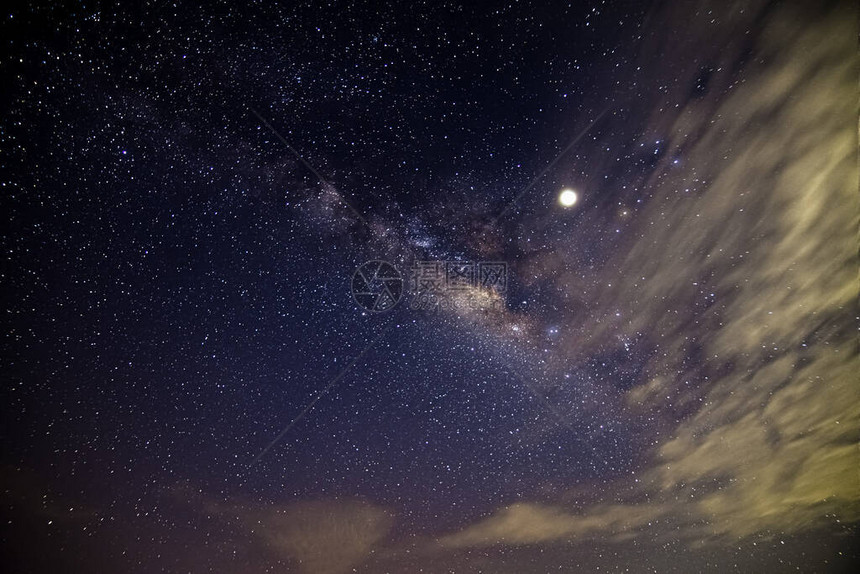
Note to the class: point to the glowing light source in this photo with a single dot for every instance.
(567, 197)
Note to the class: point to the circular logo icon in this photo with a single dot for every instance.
(377, 286)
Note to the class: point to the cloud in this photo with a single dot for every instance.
(325, 536)
(782, 454)
(743, 275)
(526, 523)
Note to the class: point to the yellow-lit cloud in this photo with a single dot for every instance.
(525, 523)
(324, 536)
(758, 267)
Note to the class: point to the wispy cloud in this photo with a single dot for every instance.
(322, 536)
(747, 253)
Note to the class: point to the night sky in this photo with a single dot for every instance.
(196, 376)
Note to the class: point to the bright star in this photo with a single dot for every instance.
(567, 197)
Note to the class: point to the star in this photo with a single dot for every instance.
(567, 198)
